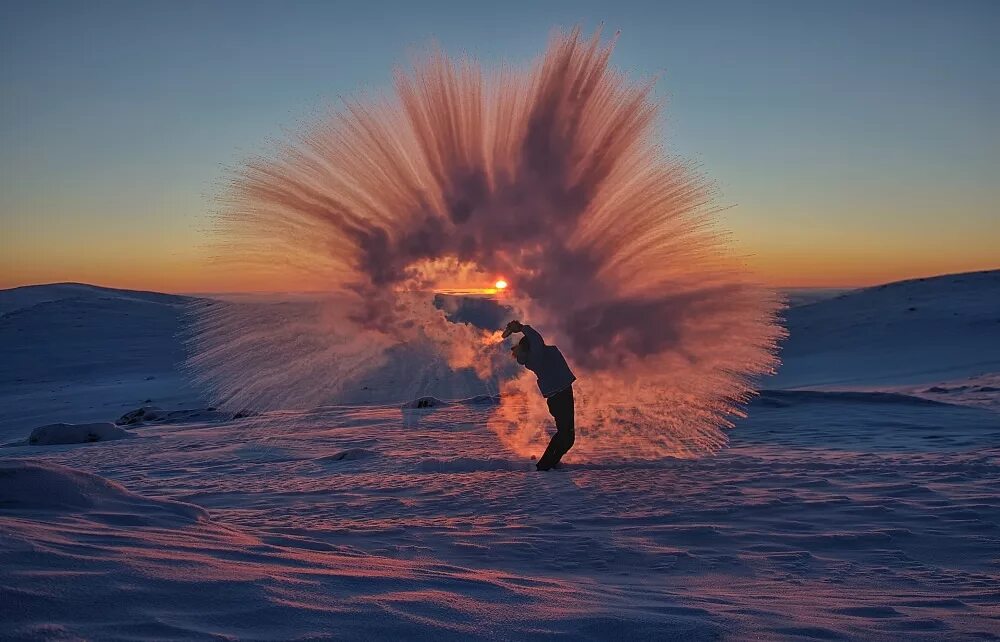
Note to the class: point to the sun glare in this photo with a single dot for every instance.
(501, 284)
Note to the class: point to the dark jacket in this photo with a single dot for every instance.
(547, 363)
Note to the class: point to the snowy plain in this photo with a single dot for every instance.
(858, 500)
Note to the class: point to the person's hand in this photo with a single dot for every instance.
(512, 327)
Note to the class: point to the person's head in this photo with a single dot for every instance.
(520, 350)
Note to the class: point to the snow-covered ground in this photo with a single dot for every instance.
(858, 501)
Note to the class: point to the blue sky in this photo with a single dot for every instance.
(857, 141)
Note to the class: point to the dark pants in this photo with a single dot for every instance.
(561, 409)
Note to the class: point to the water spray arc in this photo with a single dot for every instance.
(551, 176)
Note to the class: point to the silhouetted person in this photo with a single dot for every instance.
(555, 380)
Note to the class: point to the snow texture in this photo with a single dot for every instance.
(847, 511)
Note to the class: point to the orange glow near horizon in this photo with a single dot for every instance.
(192, 278)
(781, 263)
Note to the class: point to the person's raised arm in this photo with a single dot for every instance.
(535, 341)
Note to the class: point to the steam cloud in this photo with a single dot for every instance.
(550, 177)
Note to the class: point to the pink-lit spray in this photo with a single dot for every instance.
(550, 176)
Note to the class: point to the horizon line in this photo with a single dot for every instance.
(184, 292)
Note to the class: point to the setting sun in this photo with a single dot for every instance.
(501, 284)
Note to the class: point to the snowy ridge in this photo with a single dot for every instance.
(27, 296)
(921, 330)
(30, 486)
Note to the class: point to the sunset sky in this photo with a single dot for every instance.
(856, 142)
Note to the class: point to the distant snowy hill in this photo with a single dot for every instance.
(89, 351)
(74, 332)
(904, 332)
(29, 295)
(92, 353)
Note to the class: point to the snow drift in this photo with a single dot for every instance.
(56, 434)
(27, 486)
